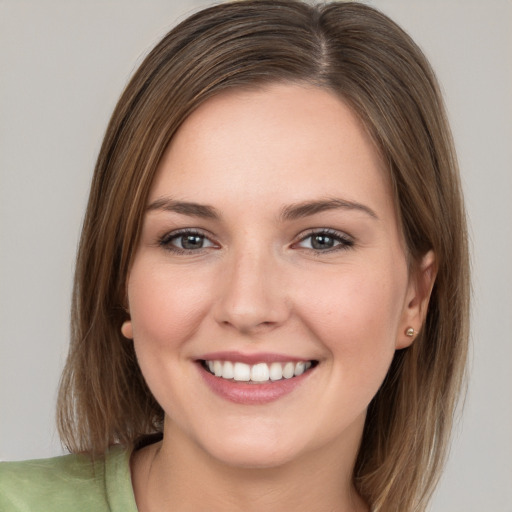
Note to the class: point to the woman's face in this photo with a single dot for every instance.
(270, 247)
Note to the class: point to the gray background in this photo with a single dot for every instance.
(62, 66)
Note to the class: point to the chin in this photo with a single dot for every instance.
(253, 455)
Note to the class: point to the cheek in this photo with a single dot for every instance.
(356, 316)
(165, 307)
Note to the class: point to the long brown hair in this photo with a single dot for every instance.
(361, 55)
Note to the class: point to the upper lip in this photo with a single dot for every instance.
(261, 357)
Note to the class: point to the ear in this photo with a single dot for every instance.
(127, 329)
(421, 282)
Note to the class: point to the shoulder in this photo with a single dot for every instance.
(71, 482)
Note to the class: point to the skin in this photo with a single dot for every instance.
(259, 285)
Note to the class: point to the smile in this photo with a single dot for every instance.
(260, 372)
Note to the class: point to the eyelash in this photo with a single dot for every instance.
(344, 241)
(166, 241)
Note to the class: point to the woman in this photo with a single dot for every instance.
(271, 294)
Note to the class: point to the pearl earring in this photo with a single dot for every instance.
(410, 332)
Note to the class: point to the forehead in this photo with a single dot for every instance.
(280, 143)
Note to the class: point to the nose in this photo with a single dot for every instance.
(252, 293)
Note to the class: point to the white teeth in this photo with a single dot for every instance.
(260, 372)
(299, 368)
(276, 371)
(241, 372)
(217, 368)
(227, 371)
(288, 370)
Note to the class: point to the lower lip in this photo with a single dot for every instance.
(251, 393)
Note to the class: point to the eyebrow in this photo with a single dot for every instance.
(307, 208)
(291, 212)
(185, 208)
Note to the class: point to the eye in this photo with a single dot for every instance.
(187, 240)
(325, 240)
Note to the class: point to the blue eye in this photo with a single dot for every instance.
(325, 240)
(185, 241)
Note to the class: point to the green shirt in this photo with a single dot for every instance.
(68, 483)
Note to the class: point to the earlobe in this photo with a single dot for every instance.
(127, 330)
(420, 287)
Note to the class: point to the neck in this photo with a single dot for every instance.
(177, 474)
